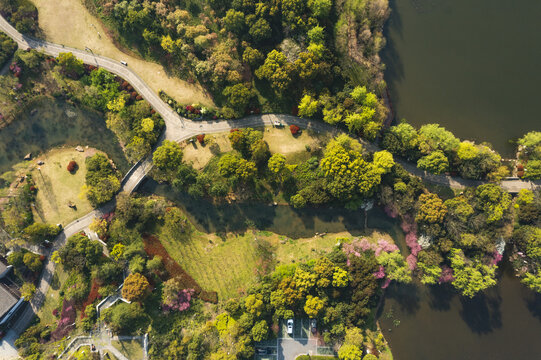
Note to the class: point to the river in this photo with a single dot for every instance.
(435, 323)
(471, 66)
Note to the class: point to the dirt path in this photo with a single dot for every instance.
(69, 23)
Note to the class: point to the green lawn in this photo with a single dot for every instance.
(132, 349)
(53, 296)
(56, 186)
(230, 265)
(217, 265)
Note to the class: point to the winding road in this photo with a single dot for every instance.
(178, 128)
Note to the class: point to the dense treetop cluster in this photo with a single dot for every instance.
(250, 54)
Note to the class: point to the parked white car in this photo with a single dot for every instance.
(290, 326)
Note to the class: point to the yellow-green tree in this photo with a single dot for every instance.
(135, 287)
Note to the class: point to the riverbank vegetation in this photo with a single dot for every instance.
(250, 55)
(529, 155)
(335, 284)
(342, 173)
(438, 151)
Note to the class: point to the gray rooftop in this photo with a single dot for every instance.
(7, 300)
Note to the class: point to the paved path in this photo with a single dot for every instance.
(178, 128)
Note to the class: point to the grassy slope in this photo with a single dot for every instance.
(230, 265)
(68, 22)
(53, 295)
(57, 186)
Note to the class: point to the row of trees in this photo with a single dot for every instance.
(343, 174)
(438, 151)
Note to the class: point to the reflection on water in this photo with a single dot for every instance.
(56, 123)
(280, 219)
(471, 66)
(435, 323)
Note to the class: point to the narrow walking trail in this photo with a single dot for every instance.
(178, 128)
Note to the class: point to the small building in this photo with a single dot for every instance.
(10, 299)
(9, 303)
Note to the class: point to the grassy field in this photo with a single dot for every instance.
(279, 140)
(132, 349)
(56, 186)
(69, 23)
(229, 265)
(225, 266)
(53, 295)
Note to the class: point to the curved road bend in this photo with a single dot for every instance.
(178, 128)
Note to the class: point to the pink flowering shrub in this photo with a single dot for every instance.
(411, 241)
(380, 274)
(446, 274)
(412, 261)
(67, 318)
(357, 246)
(180, 301)
(497, 257)
(386, 284)
(384, 245)
(391, 212)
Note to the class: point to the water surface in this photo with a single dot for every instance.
(281, 219)
(472, 66)
(435, 323)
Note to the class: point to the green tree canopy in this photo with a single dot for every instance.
(277, 70)
(168, 156)
(434, 137)
(436, 162)
(470, 277)
(70, 64)
(80, 252)
(308, 106)
(431, 209)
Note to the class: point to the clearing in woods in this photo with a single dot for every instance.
(69, 23)
(280, 140)
(230, 264)
(57, 186)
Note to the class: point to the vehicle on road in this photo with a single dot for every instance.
(313, 326)
(290, 326)
(124, 63)
(277, 124)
